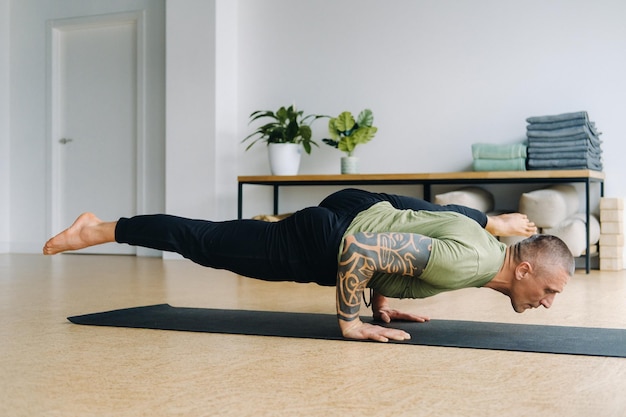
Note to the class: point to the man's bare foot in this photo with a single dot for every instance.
(87, 230)
(510, 224)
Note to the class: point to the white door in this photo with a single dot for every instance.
(95, 121)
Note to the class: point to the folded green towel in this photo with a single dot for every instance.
(513, 164)
(492, 151)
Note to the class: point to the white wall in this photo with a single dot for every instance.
(201, 163)
(4, 126)
(226, 107)
(201, 108)
(439, 75)
(190, 92)
(28, 94)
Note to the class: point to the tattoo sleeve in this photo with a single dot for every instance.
(367, 253)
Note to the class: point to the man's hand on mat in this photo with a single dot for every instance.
(382, 312)
(356, 329)
(388, 314)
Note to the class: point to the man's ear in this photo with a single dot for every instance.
(522, 270)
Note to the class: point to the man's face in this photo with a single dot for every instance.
(532, 289)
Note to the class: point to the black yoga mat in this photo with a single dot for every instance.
(450, 333)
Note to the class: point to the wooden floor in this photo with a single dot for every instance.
(50, 367)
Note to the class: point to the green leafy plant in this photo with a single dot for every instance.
(346, 132)
(288, 125)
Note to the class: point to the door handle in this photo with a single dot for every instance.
(63, 141)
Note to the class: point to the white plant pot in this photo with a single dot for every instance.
(349, 165)
(284, 158)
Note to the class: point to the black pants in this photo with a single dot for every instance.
(302, 248)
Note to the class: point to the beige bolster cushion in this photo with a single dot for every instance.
(573, 232)
(473, 197)
(550, 206)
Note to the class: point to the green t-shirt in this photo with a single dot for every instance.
(463, 254)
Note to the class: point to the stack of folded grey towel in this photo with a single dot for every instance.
(563, 141)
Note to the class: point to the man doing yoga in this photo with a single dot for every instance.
(399, 247)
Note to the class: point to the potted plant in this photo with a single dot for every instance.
(346, 133)
(285, 135)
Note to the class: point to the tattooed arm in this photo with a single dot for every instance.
(364, 254)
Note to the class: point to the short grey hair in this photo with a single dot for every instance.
(544, 251)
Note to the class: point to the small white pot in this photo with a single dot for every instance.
(349, 165)
(284, 158)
